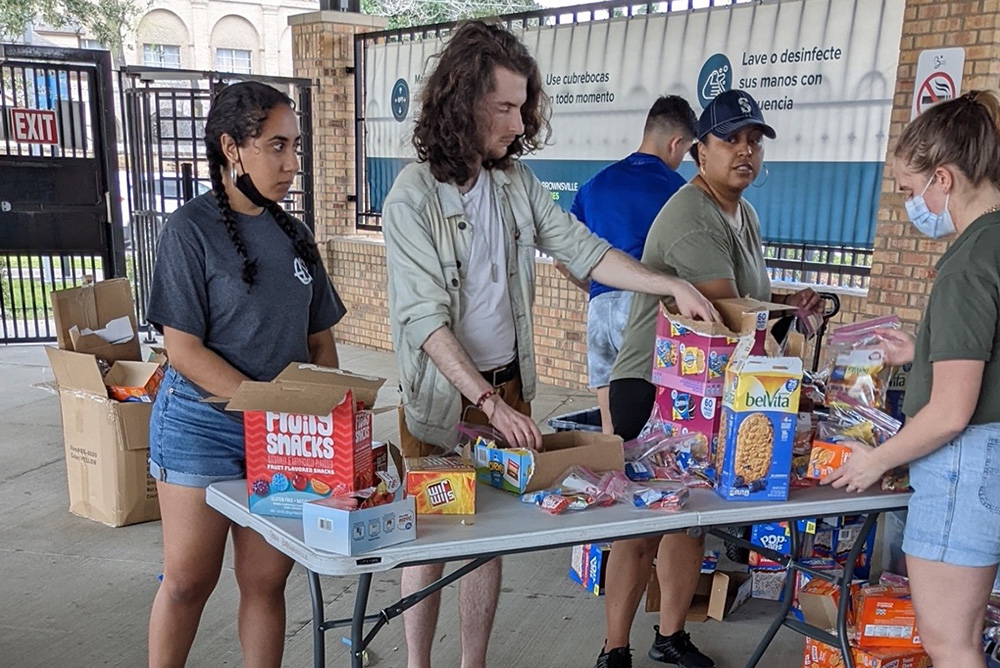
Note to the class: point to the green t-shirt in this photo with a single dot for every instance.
(692, 239)
(960, 322)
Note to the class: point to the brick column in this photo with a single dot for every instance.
(323, 50)
(903, 262)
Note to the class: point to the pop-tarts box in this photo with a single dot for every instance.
(588, 566)
(351, 532)
(759, 411)
(692, 355)
(776, 536)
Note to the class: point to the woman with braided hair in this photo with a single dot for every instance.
(239, 292)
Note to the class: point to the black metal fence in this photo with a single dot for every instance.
(166, 165)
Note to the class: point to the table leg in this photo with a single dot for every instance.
(845, 588)
(319, 620)
(358, 644)
(786, 602)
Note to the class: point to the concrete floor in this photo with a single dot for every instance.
(75, 594)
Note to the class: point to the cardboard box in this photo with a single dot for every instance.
(717, 595)
(821, 655)
(94, 307)
(692, 355)
(760, 408)
(686, 412)
(818, 601)
(351, 532)
(134, 381)
(884, 617)
(519, 471)
(588, 566)
(767, 584)
(308, 432)
(441, 485)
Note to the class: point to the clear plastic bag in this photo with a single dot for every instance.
(659, 454)
(579, 488)
(856, 368)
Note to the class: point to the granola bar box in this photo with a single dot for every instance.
(757, 430)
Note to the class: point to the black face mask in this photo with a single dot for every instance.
(246, 186)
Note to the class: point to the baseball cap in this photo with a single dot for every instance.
(730, 111)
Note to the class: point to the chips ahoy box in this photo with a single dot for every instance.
(308, 433)
(757, 432)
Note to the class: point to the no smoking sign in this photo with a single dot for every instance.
(939, 78)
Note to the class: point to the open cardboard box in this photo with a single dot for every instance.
(519, 471)
(106, 441)
(692, 355)
(717, 595)
(308, 432)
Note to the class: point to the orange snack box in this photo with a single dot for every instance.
(821, 655)
(441, 485)
(134, 381)
(826, 457)
(885, 618)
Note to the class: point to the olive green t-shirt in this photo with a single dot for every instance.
(691, 238)
(960, 322)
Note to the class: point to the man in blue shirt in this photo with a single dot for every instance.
(619, 204)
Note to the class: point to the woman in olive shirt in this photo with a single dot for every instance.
(708, 235)
(946, 165)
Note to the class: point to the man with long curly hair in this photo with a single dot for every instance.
(461, 226)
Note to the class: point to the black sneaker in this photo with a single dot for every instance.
(619, 657)
(679, 650)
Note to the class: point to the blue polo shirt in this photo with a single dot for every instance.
(621, 202)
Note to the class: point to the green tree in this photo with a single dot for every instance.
(108, 21)
(407, 13)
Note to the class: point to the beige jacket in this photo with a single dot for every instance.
(427, 240)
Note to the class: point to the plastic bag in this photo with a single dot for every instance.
(384, 492)
(658, 454)
(579, 488)
(856, 367)
(659, 498)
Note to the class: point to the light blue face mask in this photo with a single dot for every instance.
(933, 225)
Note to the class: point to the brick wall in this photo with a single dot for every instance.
(903, 262)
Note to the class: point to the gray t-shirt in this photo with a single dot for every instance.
(198, 288)
(692, 239)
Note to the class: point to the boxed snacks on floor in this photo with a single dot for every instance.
(884, 617)
(757, 433)
(308, 434)
(588, 566)
(106, 440)
(821, 655)
(441, 485)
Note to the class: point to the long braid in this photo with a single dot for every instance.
(305, 248)
(229, 220)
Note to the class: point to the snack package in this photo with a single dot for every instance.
(580, 488)
(657, 454)
(856, 365)
(852, 422)
(659, 498)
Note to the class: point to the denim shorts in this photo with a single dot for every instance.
(607, 316)
(954, 513)
(192, 443)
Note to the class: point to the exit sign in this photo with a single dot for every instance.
(34, 126)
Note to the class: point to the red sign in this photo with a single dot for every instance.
(938, 87)
(34, 126)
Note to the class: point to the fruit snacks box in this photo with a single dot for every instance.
(757, 430)
(884, 617)
(519, 471)
(821, 655)
(692, 355)
(441, 485)
(308, 434)
(685, 413)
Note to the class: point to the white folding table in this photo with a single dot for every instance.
(503, 525)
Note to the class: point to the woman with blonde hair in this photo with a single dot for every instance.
(946, 165)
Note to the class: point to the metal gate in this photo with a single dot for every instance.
(166, 164)
(58, 222)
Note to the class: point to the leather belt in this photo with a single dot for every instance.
(504, 374)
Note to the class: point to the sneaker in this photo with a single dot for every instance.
(679, 650)
(619, 657)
